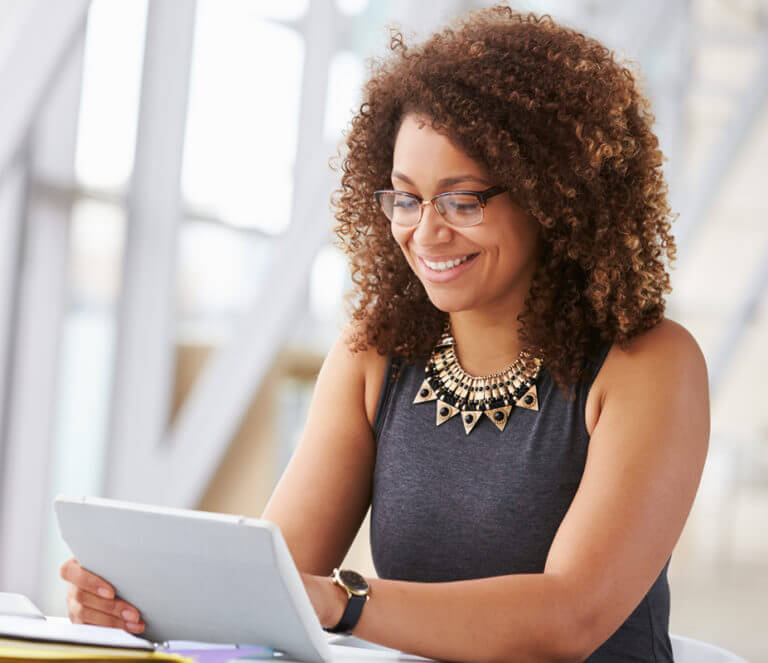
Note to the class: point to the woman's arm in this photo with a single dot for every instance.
(645, 459)
(523, 617)
(325, 491)
(644, 464)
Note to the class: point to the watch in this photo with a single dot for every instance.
(358, 592)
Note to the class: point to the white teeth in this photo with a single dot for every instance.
(442, 266)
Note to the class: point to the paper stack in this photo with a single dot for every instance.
(56, 639)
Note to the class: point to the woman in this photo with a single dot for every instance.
(527, 426)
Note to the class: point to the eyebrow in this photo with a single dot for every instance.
(446, 181)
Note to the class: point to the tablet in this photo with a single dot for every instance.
(195, 575)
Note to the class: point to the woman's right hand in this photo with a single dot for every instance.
(91, 600)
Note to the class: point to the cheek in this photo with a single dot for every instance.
(521, 235)
(509, 252)
(531, 239)
(401, 237)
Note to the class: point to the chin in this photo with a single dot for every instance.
(448, 302)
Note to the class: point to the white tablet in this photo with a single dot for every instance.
(195, 575)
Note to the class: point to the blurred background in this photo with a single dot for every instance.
(168, 288)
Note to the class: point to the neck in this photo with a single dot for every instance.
(486, 342)
(487, 338)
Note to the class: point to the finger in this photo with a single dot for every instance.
(114, 607)
(134, 627)
(71, 571)
(85, 615)
(82, 614)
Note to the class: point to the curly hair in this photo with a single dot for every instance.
(565, 128)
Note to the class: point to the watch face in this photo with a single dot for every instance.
(354, 581)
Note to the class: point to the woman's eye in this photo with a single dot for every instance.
(405, 203)
(462, 206)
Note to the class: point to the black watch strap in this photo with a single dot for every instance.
(351, 614)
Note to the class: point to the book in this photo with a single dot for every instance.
(12, 650)
(27, 635)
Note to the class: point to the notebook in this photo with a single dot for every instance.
(32, 636)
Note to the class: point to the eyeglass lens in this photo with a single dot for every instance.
(458, 209)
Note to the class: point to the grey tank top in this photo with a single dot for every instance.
(450, 506)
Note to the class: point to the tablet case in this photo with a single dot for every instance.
(195, 575)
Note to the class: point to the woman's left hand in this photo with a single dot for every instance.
(328, 600)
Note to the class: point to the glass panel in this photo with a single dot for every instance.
(327, 282)
(243, 117)
(110, 98)
(351, 7)
(345, 78)
(12, 15)
(220, 272)
(285, 10)
(85, 372)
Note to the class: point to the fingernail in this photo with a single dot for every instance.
(134, 626)
(103, 591)
(130, 616)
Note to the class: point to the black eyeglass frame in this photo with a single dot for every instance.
(482, 197)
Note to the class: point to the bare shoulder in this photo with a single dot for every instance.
(368, 365)
(665, 350)
(667, 342)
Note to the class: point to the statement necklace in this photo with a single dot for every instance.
(494, 395)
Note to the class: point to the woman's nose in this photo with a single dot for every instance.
(432, 227)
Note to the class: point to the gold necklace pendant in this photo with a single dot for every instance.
(458, 392)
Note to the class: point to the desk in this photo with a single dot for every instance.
(347, 649)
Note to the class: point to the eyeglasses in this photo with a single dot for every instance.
(458, 208)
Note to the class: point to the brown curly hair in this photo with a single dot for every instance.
(551, 114)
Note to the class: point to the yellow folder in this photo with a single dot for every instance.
(27, 650)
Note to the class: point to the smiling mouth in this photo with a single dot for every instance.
(447, 273)
(446, 265)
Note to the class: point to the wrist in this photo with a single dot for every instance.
(356, 592)
(337, 603)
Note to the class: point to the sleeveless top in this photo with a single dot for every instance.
(450, 506)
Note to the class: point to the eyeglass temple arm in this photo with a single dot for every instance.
(488, 193)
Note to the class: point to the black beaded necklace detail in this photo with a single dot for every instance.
(494, 395)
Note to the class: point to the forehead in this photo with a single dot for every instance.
(419, 149)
